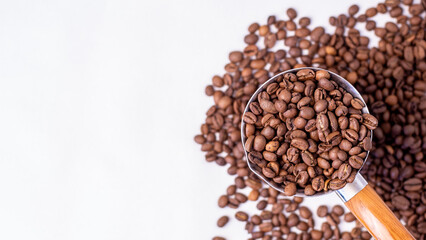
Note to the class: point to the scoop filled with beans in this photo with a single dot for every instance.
(304, 132)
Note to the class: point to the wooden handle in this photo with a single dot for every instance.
(373, 213)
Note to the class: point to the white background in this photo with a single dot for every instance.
(99, 103)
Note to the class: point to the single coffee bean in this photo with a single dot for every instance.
(300, 143)
(320, 105)
(401, 202)
(305, 74)
(344, 171)
(241, 216)
(249, 118)
(318, 183)
(322, 211)
(369, 121)
(290, 189)
(336, 184)
(222, 221)
(413, 184)
(223, 201)
(356, 162)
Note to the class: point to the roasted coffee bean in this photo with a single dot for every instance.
(305, 74)
(369, 121)
(250, 118)
(356, 162)
(338, 210)
(300, 143)
(241, 216)
(336, 184)
(344, 171)
(318, 183)
(322, 211)
(413, 184)
(222, 221)
(290, 189)
(223, 201)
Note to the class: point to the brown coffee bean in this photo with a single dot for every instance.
(336, 184)
(322, 122)
(290, 189)
(351, 135)
(300, 143)
(318, 183)
(291, 13)
(322, 211)
(356, 162)
(357, 103)
(344, 171)
(413, 184)
(259, 143)
(249, 118)
(241, 216)
(308, 158)
(345, 145)
(305, 74)
(222, 221)
(223, 201)
(307, 113)
(334, 138)
(320, 105)
(326, 84)
(369, 121)
(401, 202)
(323, 163)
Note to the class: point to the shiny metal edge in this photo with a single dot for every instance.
(351, 189)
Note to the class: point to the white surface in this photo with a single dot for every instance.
(99, 103)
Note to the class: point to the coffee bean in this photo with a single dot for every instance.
(300, 143)
(351, 135)
(356, 162)
(291, 13)
(290, 189)
(344, 171)
(223, 201)
(318, 183)
(338, 210)
(308, 158)
(305, 74)
(413, 184)
(369, 121)
(336, 184)
(322, 211)
(322, 122)
(357, 103)
(241, 216)
(249, 118)
(401, 202)
(222, 221)
(320, 105)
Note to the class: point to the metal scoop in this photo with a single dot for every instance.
(358, 196)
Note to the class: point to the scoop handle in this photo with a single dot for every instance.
(375, 215)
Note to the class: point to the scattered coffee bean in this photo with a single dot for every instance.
(222, 221)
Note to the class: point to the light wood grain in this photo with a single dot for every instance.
(373, 213)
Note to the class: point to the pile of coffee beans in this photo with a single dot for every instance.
(304, 131)
(392, 80)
